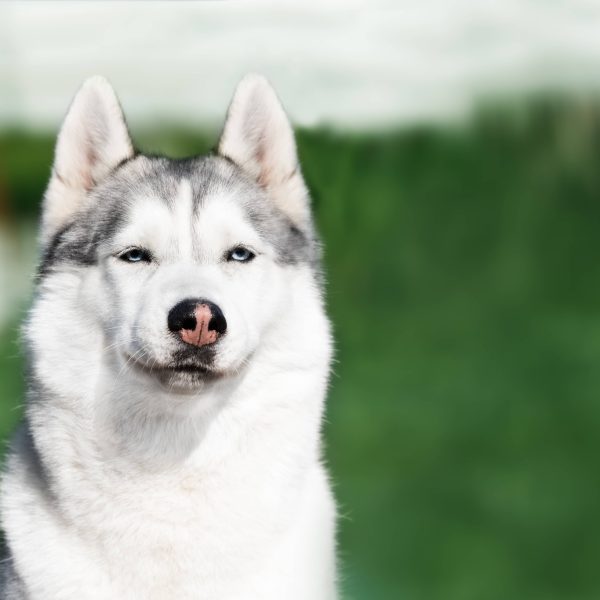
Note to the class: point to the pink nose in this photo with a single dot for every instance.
(201, 335)
(197, 322)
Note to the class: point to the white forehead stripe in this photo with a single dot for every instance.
(184, 222)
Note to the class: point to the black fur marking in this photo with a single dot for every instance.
(76, 243)
(50, 252)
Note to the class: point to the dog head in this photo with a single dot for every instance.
(173, 270)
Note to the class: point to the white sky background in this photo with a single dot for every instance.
(337, 63)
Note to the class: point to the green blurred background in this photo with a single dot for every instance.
(463, 270)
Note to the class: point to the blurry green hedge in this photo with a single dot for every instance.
(463, 271)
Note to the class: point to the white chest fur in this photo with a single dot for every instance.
(248, 516)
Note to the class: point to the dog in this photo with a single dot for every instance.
(179, 355)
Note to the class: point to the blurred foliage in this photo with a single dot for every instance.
(464, 284)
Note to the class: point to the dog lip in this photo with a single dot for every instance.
(151, 368)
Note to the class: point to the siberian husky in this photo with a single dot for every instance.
(178, 361)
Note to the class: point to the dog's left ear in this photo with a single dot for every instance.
(92, 141)
(259, 138)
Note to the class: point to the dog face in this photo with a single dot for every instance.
(178, 267)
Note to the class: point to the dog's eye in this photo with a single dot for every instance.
(135, 255)
(240, 254)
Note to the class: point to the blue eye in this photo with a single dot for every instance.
(136, 255)
(240, 254)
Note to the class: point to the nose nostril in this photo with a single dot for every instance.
(181, 316)
(218, 323)
(188, 323)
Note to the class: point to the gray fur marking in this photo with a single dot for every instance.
(77, 242)
(11, 585)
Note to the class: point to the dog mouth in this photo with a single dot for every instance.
(184, 370)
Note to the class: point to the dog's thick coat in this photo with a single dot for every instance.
(148, 469)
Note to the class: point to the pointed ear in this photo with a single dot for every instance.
(259, 138)
(92, 141)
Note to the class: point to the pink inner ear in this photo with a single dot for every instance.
(92, 159)
(93, 138)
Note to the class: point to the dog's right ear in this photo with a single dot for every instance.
(258, 137)
(92, 141)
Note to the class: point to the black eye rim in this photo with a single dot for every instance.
(145, 255)
(229, 255)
